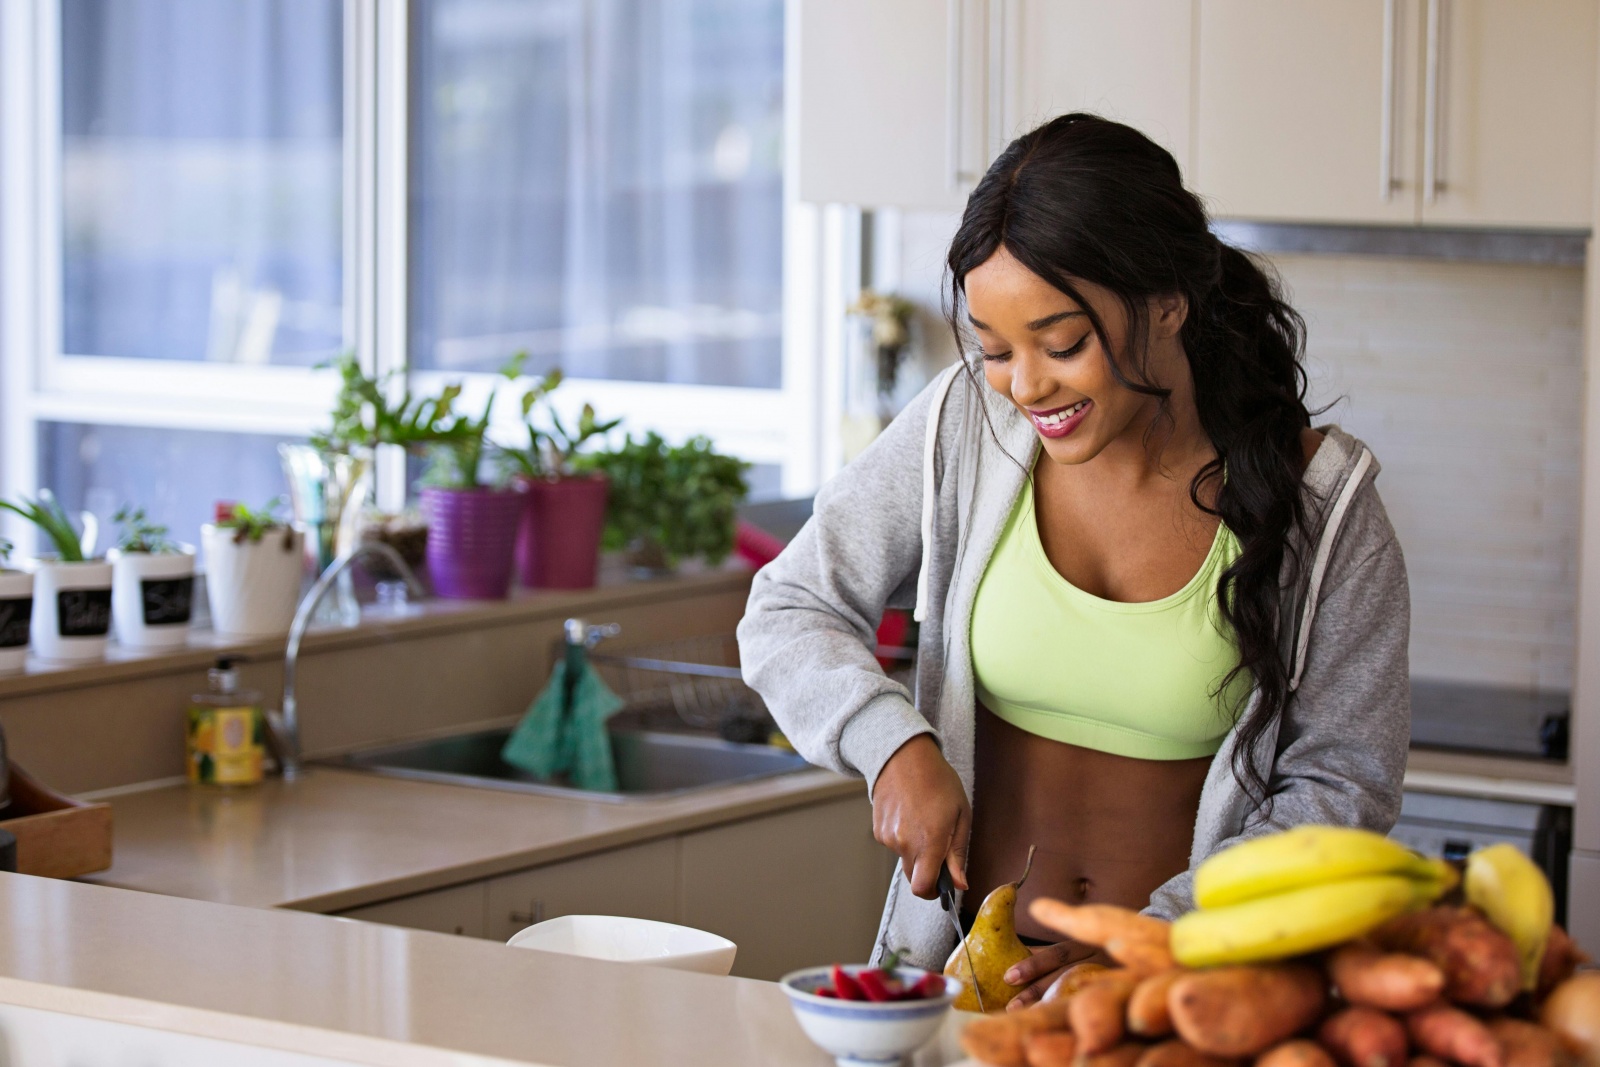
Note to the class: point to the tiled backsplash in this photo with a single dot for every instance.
(1466, 380)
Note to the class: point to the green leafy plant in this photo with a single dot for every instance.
(670, 502)
(365, 416)
(46, 513)
(139, 534)
(455, 460)
(252, 524)
(6, 548)
(550, 453)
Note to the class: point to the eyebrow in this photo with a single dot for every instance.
(1037, 324)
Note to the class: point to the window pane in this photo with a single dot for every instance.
(177, 476)
(202, 179)
(599, 182)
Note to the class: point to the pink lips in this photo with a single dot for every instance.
(1060, 429)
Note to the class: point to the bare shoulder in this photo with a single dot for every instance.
(1310, 441)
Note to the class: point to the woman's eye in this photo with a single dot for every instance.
(1074, 350)
(994, 357)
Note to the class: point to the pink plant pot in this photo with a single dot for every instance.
(558, 546)
(472, 534)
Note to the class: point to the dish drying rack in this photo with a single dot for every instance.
(697, 678)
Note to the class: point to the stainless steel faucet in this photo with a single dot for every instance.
(286, 724)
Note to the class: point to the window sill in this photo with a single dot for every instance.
(429, 617)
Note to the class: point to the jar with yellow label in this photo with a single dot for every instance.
(227, 732)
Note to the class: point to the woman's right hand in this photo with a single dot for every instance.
(920, 811)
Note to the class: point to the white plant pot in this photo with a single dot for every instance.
(152, 597)
(253, 586)
(16, 610)
(71, 609)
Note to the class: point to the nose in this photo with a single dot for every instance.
(1029, 384)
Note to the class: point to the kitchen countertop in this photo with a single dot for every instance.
(338, 839)
(1495, 777)
(377, 994)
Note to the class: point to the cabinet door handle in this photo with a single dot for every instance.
(1432, 134)
(529, 918)
(1387, 183)
(954, 10)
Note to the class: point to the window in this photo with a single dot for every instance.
(202, 202)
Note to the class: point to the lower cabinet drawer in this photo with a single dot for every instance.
(456, 910)
(640, 881)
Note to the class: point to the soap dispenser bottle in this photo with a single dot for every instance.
(227, 731)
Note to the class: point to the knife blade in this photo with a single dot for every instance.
(947, 901)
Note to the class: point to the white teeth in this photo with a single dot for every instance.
(1061, 416)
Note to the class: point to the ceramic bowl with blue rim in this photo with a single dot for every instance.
(865, 1033)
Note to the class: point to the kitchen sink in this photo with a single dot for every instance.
(650, 764)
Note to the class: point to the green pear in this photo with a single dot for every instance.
(992, 947)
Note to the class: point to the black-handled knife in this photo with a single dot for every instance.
(947, 901)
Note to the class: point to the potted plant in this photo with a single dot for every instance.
(71, 591)
(152, 583)
(16, 611)
(253, 568)
(472, 525)
(328, 476)
(668, 503)
(558, 543)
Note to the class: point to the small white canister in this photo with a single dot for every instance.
(16, 612)
(152, 597)
(253, 586)
(71, 609)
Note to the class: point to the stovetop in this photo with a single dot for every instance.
(1464, 717)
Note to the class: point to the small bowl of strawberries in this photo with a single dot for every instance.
(870, 1015)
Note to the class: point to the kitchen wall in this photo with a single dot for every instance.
(1465, 378)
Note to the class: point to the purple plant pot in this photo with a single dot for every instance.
(471, 536)
(558, 546)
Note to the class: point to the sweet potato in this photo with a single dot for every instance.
(1359, 1036)
(1100, 924)
(1000, 1039)
(1124, 1055)
(1145, 957)
(1451, 1034)
(1054, 1048)
(1393, 981)
(1527, 1044)
(1479, 962)
(1427, 1061)
(1242, 1011)
(1147, 1007)
(1175, 1053)
(1297, 1053)
(1073, 981)
(1562, 957)
(1098, 1011)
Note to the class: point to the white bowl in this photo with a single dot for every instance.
(861, 1032)
(614, 937)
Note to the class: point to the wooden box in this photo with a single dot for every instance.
(57, 837)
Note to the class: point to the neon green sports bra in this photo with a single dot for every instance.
(1130, 679)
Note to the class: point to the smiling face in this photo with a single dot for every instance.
(1041, 352)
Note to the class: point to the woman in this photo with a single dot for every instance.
(1159, 611)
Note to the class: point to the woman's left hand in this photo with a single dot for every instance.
(1044, 968)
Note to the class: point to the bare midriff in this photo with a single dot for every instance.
(1109, 829)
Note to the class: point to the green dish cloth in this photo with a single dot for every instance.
(547, 743)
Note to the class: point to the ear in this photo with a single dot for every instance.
(1168, 314)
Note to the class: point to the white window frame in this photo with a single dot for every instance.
(41, 383)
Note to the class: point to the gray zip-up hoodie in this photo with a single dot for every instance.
(911, 523)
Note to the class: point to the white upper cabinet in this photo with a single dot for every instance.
(1399, 112)
(892, 99)
(1301, 110)
(1445, 112)
(1131, 61)
(1513, 99)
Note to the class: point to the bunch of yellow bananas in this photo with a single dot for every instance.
(1301, 890)
(1514, 895)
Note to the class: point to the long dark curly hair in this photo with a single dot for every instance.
(1084, 199)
